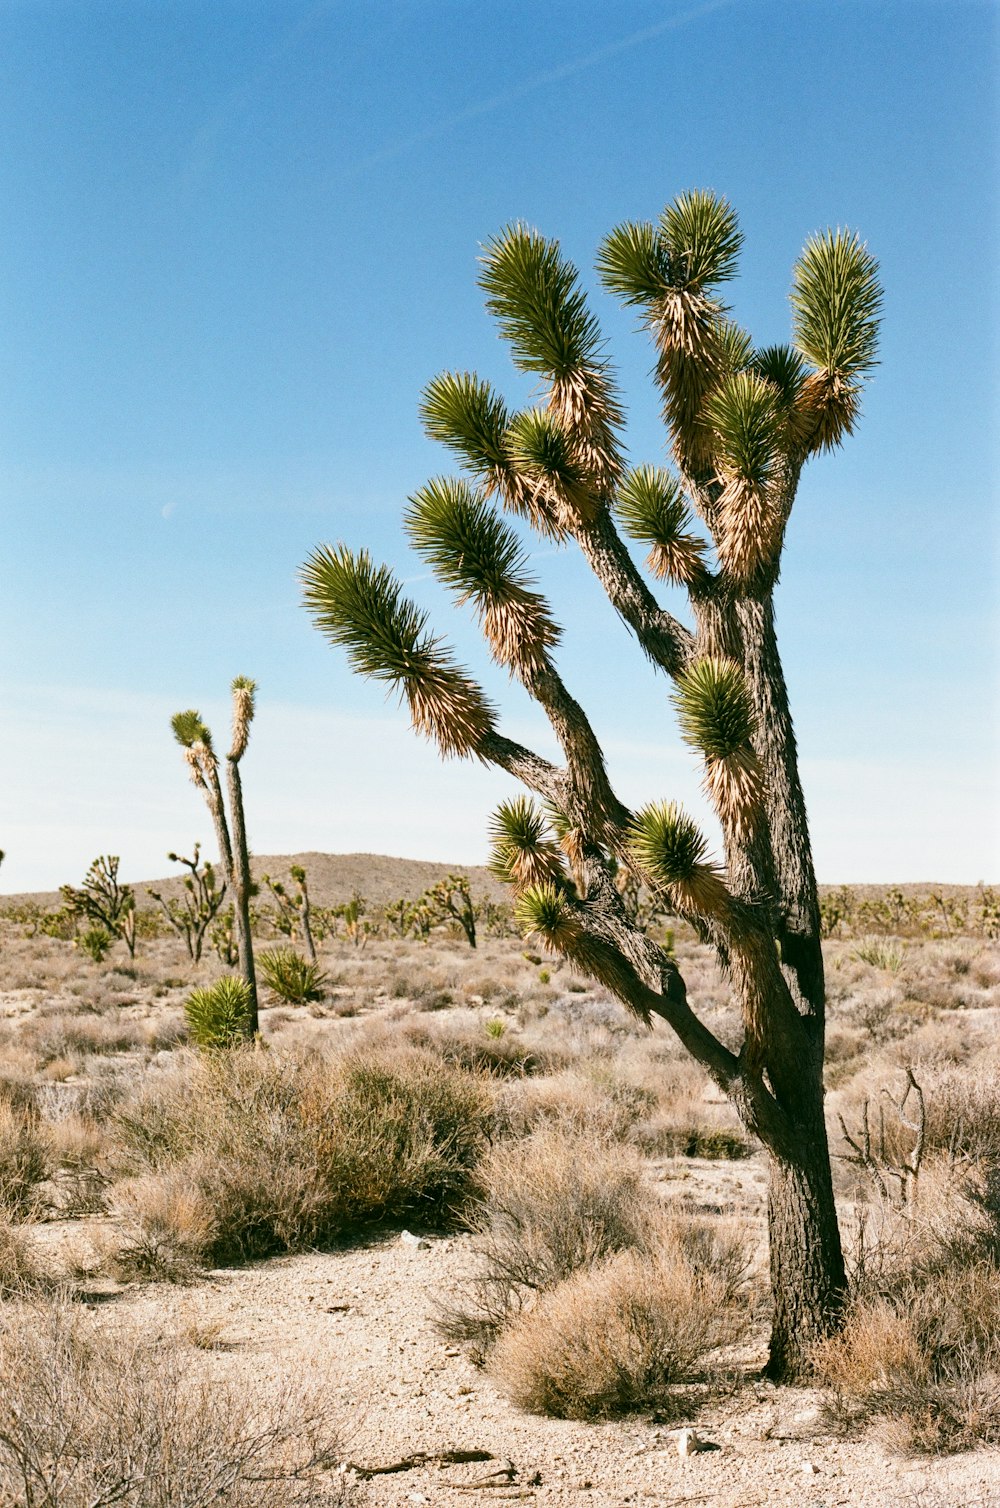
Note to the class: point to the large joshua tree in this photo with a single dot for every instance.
(742, 423)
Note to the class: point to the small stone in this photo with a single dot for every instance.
(809, 1469)
(688, 1443)
(417, 1243)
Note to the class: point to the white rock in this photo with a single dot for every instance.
(407, 1238)
(809, 1469)
(688, 1443)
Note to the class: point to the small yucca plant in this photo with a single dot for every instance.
(95, 942)
(290, 977)
(218, 1016)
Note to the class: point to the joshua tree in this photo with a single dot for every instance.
(231, 834)
(293, 912)
(103, 901)
(192, 913)
(742, 423)
(451, 901)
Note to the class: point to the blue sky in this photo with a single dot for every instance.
(237, 240)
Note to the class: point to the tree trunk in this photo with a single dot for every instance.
(808, 1282)
(242, 888)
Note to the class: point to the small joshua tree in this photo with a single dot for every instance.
(230, 831)
(192, 913)
(743, 421)
(450, 900)
(103, 901)
(293, 912)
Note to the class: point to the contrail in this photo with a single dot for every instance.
(530, 86)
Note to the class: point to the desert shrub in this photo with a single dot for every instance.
(24, 1162)
(593, 1103)
(290, 977)
(95, 942)
(20, 1274)
(617, 1337)
(167, 1228)
(548, 1206)
(91, 1419)
(919, 1355)
(881, 952)
(284, 1153)
(468, 1044)
(218, 1016)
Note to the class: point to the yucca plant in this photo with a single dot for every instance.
(743, 422)
(230, 829)
(220, 1015)
(290, 977)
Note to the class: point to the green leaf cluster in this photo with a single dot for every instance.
(714, 708)
(694, 247)
(666, 844)
(464, 413)
(743, 412)
(836, 302)
(652, 506)
(534, 294)
(189, 729)
(465, 541)
(218, 1016)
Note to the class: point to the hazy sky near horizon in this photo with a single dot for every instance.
(237, 240)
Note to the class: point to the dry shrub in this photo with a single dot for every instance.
(557, 1203)
(593, 1103)
(20, 1273)
(919, 1354)
(462, 1039)
(286, 1153)
(616, 1338)
(24, 1162)
(90, 1420)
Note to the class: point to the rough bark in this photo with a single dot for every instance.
(242, 887)
(808, 1283)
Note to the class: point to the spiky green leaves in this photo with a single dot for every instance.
(703, 239)
(716, 717)
(671, 852)
(654, 512)
(189, 729)
(544, 911)
(244, 691)
(545, 455)
(523, 852)
(748, 432)
(477, 556)
(464, 413)
(633, 263)
(836, 302)
(535, 295)
(360, 607)
(713, 707)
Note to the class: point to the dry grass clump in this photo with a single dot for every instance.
(20, 1273)
(617, 1337)
(919, 1356)
(249, 1153)
(561, 1202)
(24, 1161)
(90, 1419)
(595, 1103)
(466, 1040)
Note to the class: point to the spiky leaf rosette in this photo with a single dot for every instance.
(244, 691)
(703, 239)
(188, 729)
(836, 304)
(477, 556)
(535, 295)
(653, 510)
(543, 455)
(716, 717)
(360, 607)
(746, 425)
(522, 850)
(465, 413)
(671, 853)
(543, 910)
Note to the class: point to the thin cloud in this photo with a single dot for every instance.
(530, 86)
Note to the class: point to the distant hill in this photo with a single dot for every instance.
(332, 878)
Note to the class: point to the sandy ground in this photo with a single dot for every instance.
(364, 1319)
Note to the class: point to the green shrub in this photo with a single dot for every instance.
(290, 977)
(881, 953)
(219, 1015)
(95, 942)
